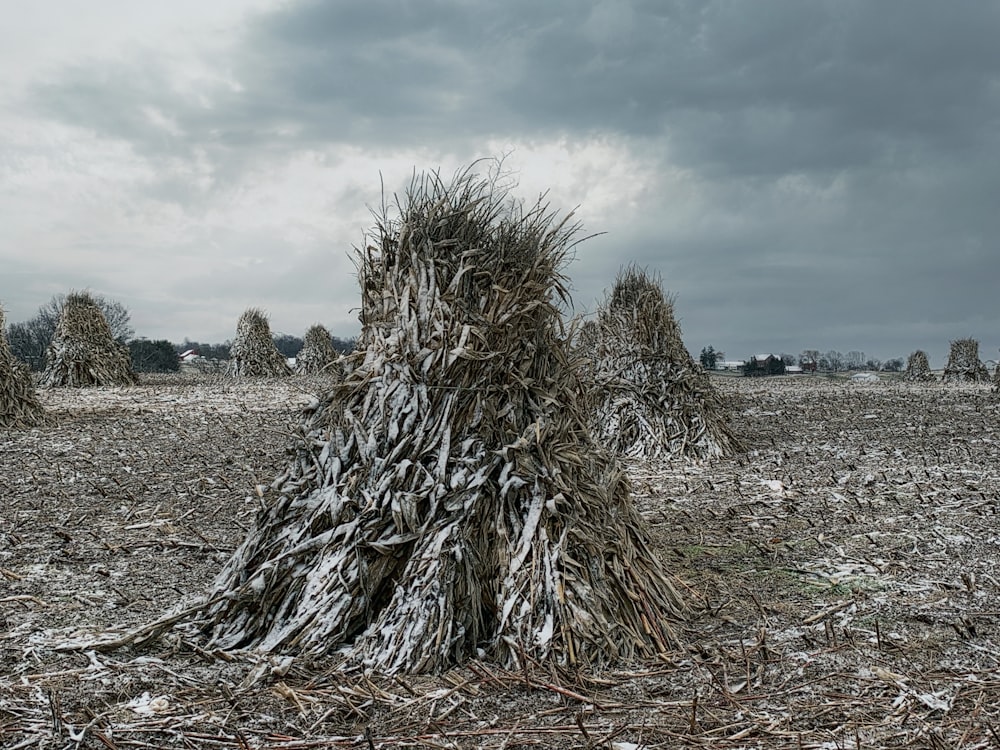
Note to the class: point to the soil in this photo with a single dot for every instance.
(841, 571)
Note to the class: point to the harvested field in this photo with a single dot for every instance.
(843, 567)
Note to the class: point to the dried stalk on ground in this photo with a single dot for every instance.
(83, 351)
(19, 407)
(918, 369)
(649, 397)
(318, 354)
(447, 498)
(964, 364)
(253, 353)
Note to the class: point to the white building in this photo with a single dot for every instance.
(730, 365)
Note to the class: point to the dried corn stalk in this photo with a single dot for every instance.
(83, 351)
(918, 368)
(318, 354)
(253, 353)
(964, 364)
(19, 407)
(649, 397)
(448, 496)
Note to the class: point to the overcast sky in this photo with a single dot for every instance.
(821, 175)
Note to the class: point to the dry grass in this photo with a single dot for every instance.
(845, 567)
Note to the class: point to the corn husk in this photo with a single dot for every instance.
(447, 499)
(83, 351)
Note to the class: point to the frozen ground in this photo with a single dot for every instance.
(844, 571)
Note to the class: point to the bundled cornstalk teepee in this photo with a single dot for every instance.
(448, 496)
(918, 368)
(317, 354)
(253, 353)
(964, 364)
(19, 405)
(649, 398)
(83, 351)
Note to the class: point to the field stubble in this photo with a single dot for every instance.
(843, 571)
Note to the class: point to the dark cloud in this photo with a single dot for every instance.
(761, 89)
(820, 170)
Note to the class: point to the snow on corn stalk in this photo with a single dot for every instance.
(253, 353)
(83, 351)
(964, 364)
(447, 499)
(317, 354)
(918, 368)
(19, 407)
(649, 398)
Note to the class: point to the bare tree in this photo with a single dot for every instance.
(834, 360)
(28, 342)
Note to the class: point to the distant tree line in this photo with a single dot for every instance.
(709, 358)
(288, 345)
(154, 356)
(30, 339)
(834, 361)
(809, 360)
(760, 367)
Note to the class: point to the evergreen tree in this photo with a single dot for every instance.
(709, 358)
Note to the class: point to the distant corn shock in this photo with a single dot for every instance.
(19, 406)
(253, 353)
(83, 351)
(649, 399)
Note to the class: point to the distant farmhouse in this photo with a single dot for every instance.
(764, 364)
